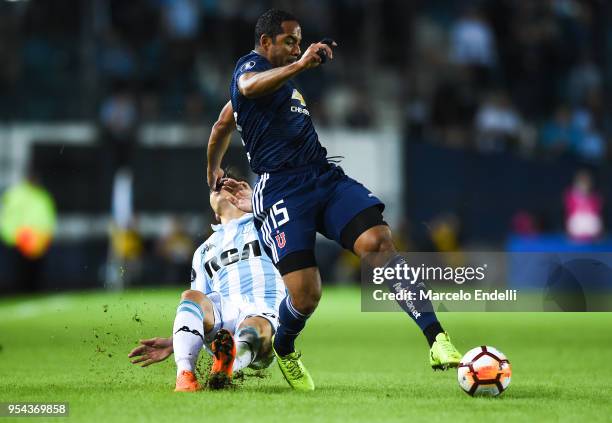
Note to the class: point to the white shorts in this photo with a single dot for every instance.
(229, 315)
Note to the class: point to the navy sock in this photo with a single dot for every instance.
(421, 311)
(291, 323)
(432, 331)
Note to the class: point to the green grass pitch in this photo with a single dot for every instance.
(368, 367)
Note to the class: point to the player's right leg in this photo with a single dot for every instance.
(253, 343)
(194, 317)
(285, 207)
(304, 287)
(251, 346)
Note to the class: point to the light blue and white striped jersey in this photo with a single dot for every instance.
(233, 263)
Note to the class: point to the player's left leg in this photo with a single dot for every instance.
(223, 348)
(353, 217)
(378, 239)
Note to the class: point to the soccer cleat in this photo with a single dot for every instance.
(294, 371)
(443, 355)
(224, 353)
(186, 382)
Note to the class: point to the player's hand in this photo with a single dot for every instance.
(241, 194)
(151, 351)
(311, 59)
(213, 177)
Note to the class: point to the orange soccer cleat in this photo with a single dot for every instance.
(186, 381)
(224, 353)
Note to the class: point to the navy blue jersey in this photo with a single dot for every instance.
(276, 129)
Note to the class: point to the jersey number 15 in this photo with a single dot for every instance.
(278, 210)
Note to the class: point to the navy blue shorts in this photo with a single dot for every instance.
(290, 207)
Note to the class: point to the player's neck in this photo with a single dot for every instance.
(259, 51)
(230, 214)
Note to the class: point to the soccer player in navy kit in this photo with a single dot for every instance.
(299, 192)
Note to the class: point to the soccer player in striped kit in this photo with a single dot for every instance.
(232, 307)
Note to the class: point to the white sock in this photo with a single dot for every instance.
(248, 343)
(188, 335)
(244, 356)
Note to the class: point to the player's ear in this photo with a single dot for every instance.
(217, 217)
(265, 41)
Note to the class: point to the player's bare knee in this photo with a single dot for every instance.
(376, 240)
(192, 295)
(308, 302)
(304, 288)
(385, 244)
(248, 332)
(198, 298)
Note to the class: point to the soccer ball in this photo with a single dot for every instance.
(484, 371)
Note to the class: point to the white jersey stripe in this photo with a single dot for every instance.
(259, 282)
(267, 232)
(261, 212)
(258, 196)
(266, 240)
(229, 238)
(255, 197)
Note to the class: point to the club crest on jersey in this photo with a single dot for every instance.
(248, 65)
(280, 240)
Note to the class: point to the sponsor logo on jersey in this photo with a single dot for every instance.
(296, 109)
(280, 240)
(296, 95)
(231, 256)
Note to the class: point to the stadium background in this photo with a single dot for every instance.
(470, 120)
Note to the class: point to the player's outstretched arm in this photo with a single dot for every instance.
(241, 194)
(257, 84)
(151, 351)
(218, 142)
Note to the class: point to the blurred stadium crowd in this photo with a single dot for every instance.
(525, 79)
(491, 75)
